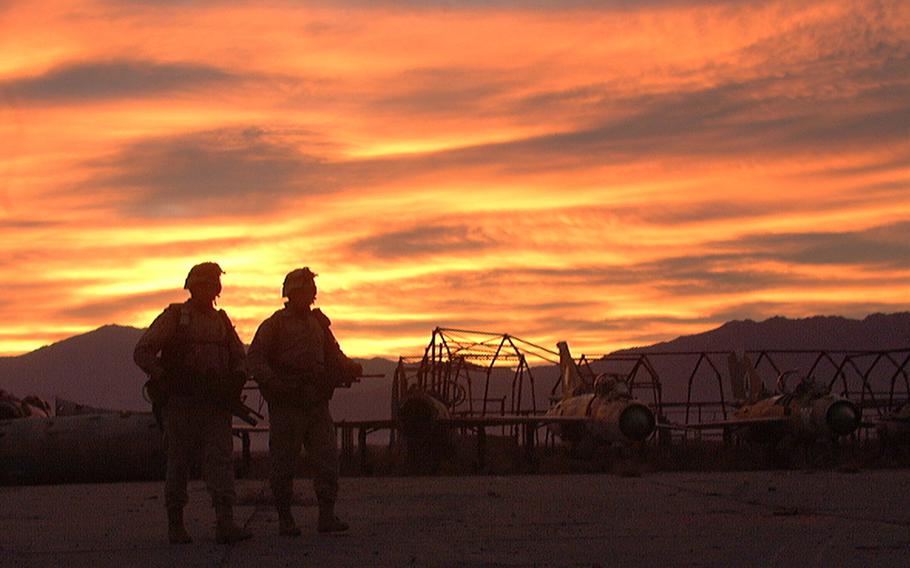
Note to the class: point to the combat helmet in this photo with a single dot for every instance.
(206, 272)
(298, 278)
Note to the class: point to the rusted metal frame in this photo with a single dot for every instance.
(444, 378)
(516, 377)
(435, 365)
(533, 391)
(427, 363)
(657, 387)
(399, 386)
(691, 380)
(836, 366)
(468, 331)
(584, 363)
(642, 362)
(470, 390)
(900, 371)
(470, 348)
(453, 373)
(764, 355)
(556, 385)
(842, 375)
(486, 388)
(521, 382)
(515, 403)
(720, 385)
(633, 372)
(550, 352)
(863, 377)
(821, 355)
(519, 376)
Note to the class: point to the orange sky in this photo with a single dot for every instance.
(610, 173)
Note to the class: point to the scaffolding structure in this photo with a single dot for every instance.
(459, 367)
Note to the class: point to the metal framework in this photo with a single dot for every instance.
(458, 366)
(635, 369)
(878, 381)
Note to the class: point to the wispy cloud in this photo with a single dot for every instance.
(95, 81)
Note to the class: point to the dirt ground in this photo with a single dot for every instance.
(767, 518)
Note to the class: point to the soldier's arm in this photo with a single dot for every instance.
(257, 358)
(153, 340)
(333, 349)
(235, 345)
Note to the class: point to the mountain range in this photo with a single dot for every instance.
(96, 368)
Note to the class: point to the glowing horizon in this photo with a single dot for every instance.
(608, 173)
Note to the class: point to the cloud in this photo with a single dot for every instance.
(886, 246)
(250, 170)
(98, 81)
(240, 171)
(115, 309)
(445, 91)
(423, 241)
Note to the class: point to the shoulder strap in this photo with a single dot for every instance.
(183, 321)
(323, 319)
(174, 353)
(229, 329)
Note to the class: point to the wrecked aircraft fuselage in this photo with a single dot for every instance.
(81, 448)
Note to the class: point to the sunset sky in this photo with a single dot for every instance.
(610, 173)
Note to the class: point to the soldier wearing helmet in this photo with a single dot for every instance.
(298, 364)
(191, 352)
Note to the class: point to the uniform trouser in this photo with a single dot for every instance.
(313, 428)
(192, 427)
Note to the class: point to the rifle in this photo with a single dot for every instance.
(225, 393)
(348, 381)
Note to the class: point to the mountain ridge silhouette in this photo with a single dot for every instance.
(96, 368)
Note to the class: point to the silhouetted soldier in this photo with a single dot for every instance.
(198, 369)
(297, 362)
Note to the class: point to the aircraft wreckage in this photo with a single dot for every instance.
(69, 442)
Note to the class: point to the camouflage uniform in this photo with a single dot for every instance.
(195, 341)
(298, 363)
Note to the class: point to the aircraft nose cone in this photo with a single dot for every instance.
(636, 422)
(842, 417)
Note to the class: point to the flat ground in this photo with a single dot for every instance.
(662, 519)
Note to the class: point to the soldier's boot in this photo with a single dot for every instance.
(287, 526)
(176, 531)
(226, 530)
(328, 522)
